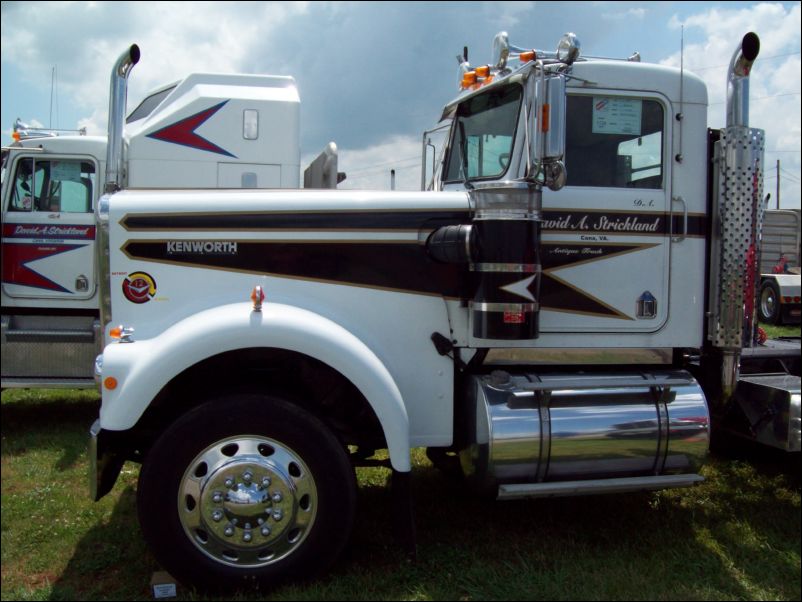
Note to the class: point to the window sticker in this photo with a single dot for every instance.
(66, 170)
(617, 115)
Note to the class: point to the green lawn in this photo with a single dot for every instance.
(781, 331)
(736, 536)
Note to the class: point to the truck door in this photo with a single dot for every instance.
(48, 227)
(606, 235)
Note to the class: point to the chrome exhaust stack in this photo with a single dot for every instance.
(737, 222)
(114, 174)
(117, 98)
(738, 80)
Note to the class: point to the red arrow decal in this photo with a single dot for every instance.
(183, 132)
(17, 256)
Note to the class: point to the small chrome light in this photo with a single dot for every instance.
(98, 369)
(568, 49)
(501, 50)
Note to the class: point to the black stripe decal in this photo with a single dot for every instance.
(303, 220)
(617, 223)
(391, 265)
(563, 221)
(386, 265)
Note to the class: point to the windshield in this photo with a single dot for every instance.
(483, 135)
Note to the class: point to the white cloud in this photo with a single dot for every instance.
(369, 168)
(630, 14)
(508, 14)
(96, 124)
(176, 38)
(775, 80)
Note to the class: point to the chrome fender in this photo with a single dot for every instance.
(143, 368)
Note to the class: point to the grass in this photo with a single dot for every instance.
(736, 536)
(781, 331)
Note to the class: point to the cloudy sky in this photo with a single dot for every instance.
(373, 75)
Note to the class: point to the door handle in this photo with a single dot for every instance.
(681, 237)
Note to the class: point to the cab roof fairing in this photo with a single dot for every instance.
(281, 88)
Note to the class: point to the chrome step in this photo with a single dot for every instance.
(50, 336)
(597, 486)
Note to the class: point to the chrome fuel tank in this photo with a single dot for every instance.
(534, 428)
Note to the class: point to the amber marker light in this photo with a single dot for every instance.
(122, 334)
(546, 118)
(257, 296)
(469, 79)
(110, 383)
(483, 71)
(525, 57)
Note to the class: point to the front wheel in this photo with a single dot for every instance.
(246, 491)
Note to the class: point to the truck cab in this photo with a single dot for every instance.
(623, 242)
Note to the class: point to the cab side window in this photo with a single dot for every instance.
(62, 186)
(614, 142)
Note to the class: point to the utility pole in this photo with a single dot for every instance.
(778, 183)
(392, 179)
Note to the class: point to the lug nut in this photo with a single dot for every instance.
(247, 476)
(229, 482)
(217, 516)
(246, 537)
(277, 515)
(217, 497)
(266, 482)
(265, 531)
(277, 497)
(228, 531)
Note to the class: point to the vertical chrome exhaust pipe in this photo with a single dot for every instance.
(117, 96)
(738, 80)
(738, 219)
(114, 177)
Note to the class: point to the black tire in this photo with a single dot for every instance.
(246, 491)
(769, 307)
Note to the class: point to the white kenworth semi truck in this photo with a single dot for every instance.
(563, 314)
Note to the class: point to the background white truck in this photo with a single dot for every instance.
(201, 132)
(565, 313)
(779, 266)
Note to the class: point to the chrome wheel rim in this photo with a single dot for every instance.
(767, 302)
(247, 501)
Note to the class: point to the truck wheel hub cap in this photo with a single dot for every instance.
(247, 501)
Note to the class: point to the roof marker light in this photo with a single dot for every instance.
(525, 57)
(469, 79)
